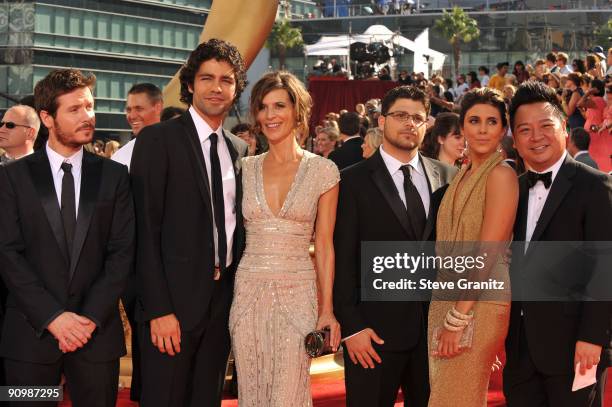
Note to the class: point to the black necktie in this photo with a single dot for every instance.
(534, 177)
(68, 205)
(414, 204)
(218, 201)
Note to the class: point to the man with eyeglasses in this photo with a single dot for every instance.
(391, 196)
(18, 130)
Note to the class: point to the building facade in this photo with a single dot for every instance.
(122, 42)
(510, 30)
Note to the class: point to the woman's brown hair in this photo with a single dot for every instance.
(299, 96)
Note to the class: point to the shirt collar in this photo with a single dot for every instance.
(555, 167)
(580, 153)
(56, 159)
(393, 164)
(203, 129)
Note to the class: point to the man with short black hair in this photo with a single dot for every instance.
(578, 147)
(143, 108)
(551, 62)
(350, 152)
(66, 250)
(498, 81)
(559, 200)
(392, 196)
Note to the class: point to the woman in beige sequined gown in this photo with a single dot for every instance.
(278, 296)
(479, 205)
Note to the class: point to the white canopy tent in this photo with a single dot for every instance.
(423, 55)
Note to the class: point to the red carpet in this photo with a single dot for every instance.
(330, 393)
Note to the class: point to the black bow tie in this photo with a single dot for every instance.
(534, 177)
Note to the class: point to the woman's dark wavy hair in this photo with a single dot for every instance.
(212, 49)
(484, 96)
(445, 123)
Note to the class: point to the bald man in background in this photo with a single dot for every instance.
(18, 131)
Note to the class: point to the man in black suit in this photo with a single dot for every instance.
(350, 152)
(560, 200)
(66, 250)
(388, 197)
(187, 189)
(578, 146)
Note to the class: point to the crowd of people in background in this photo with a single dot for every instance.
(583, 87)
(174, 212)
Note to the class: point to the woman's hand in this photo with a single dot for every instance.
(448, 343)
(328, 320)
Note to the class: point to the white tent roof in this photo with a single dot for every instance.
(339, 45)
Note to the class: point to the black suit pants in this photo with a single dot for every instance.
(129, 305)
(195, 376)
(379, 387)
(90, 384)
(526, 386)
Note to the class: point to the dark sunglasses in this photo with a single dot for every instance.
(11, 125)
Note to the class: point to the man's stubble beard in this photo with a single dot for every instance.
(64, 140)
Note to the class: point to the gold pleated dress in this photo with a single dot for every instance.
(463, 381)
(275, 293)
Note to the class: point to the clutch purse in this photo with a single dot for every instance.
(464, 343)
(317, 343)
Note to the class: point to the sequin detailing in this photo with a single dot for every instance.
(275, 294)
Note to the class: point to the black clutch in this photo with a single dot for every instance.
(317, 343)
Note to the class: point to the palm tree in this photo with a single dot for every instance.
(282, 38)
(457, 27)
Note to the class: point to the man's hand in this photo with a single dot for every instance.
(72, 331)
(587, 354)
(166, 334)
(360, 348)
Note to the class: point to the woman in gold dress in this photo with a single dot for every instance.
(279, 295)
(479, 206)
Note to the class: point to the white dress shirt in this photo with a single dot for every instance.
(56, 161)
(417, 175)
(228, 179)
(124, 154)
(537, 198)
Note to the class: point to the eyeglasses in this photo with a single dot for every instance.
(11, 125)
(404, 117)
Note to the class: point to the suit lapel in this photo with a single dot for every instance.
(40, 171)
(433, 180)
(238, 177)
(91, 177)
(382, 179)
(520, 227)
(198, 156)
(559, 188)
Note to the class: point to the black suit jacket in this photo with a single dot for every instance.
(42, 282)
(578, 208)
(348, 154)
(175, 255)
(370, 209)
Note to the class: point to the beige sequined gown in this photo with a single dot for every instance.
(463, 381)
(275, 294)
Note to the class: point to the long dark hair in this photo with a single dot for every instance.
(445, 123)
